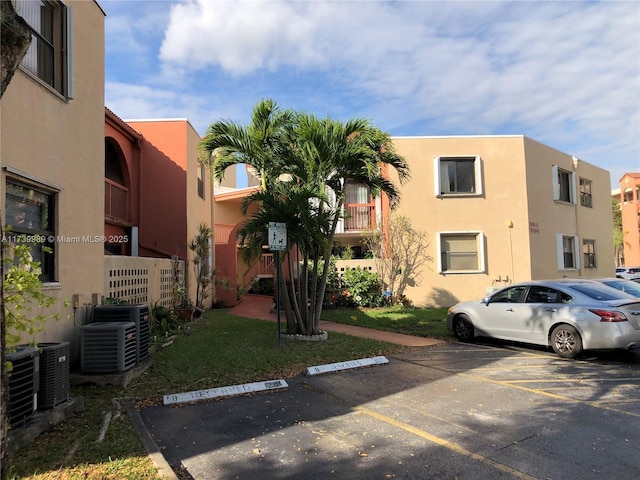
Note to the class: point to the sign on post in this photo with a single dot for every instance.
(277, 236)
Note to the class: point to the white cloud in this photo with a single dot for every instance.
(564, 73)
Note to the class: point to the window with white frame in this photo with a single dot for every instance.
(564, 185)
(457, 176)
(461, 252)
(30, 219)
(585, 193)
(589, 253)
(49, 56)
(567, 248)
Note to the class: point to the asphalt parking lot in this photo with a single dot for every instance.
(458, 411)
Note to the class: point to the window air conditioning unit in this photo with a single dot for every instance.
(138, 314)
(108, 347)
(54, 374)
(24, 381)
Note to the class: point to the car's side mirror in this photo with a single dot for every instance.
(486, 300)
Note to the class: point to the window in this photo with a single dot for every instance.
(540, 294)
(563, 185)
(49, 55)
(30, 216)
(461, 252)
(585, 192)
(116, 194)
(509, 295)
(589, 253)
(567, 246)
(201, 181)
(457, 176)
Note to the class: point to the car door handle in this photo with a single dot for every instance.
(552, 310)
(509, 309)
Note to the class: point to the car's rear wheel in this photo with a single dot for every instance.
(566, 341)
(463, 328)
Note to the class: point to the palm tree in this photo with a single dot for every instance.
(201, 249)
(329, 154)
(294, 206)
(303, 163)
(258, 144)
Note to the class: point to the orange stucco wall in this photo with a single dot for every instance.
(630, 209)
(163, 188)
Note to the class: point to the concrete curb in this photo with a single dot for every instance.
(150, 446)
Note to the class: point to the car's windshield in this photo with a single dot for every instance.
(599, 292)
(631, 288)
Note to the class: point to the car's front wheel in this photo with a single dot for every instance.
(463, 328)
(566, 341)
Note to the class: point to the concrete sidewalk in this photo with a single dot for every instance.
(260, 307)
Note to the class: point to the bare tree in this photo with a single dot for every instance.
(400, 254)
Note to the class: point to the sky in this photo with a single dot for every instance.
(564, 73)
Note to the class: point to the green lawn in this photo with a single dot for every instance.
(420, 322)
(217, 350)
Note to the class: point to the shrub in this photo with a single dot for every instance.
(361, 288)
(263, 286)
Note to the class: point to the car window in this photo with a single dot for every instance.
(541, 294)
(509, 295)
(599, 292)
(632, 288)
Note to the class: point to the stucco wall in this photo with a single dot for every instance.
(516, 213)
(59, 144)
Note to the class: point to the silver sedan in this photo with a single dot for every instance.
(568, 315)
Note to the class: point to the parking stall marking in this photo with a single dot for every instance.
(545, 393)
(454, 447)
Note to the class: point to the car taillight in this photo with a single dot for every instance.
(609, 315)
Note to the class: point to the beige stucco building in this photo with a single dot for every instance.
(52, 155)
(502, 209)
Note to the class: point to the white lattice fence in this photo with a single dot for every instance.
(142, 280)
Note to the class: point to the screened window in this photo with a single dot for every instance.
(49, 55)
(30, 218)
(585, 193)
(457, 176)
(563, 185)
(567, 246)
(589, 253)
(461, 251)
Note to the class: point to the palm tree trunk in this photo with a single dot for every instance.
(317, 312)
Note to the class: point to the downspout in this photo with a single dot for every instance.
(576, 164)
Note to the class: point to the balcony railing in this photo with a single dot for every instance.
(359, 216)
(116, 200)
(265, 265)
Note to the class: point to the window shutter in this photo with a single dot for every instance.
(481, 264)
(574, 188)
(554, 182)
(439, 250)
(70, 84)
(576, 253)
(436, 175)
(478, 171)
(559, 251)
